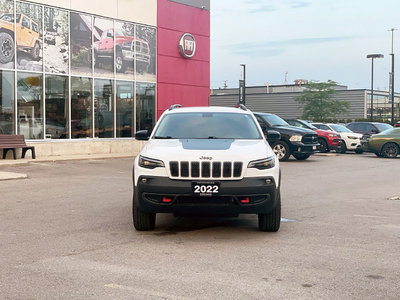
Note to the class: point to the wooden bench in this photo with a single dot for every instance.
(12, 142)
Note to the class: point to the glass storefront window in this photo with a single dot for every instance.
(30, 105)
(145, 106)
(7, 45)
(56, 40)
(57, 108)
(81, 107)
(7, 111)
(81, 43)
(104, 108)
(145, 53)
(124, 50)
(103, 46)
(29, 37)
(125, 109)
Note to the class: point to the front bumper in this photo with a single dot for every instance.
(299, 147)
(262, 196)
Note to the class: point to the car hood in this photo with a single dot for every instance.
(212, 149)
(293, 130)
(347, 134)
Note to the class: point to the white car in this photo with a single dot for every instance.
(351, 141)
(206, 160)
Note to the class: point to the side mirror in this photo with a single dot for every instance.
(273, 136)
(142, 135)
(374, 131)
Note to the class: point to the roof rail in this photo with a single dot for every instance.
(241, 106)
(174, 106)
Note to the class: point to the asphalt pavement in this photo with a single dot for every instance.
(66, 233)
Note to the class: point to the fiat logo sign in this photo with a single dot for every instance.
(187, 45)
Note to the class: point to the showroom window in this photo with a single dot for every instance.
(81, 108)
(30, 105)
(7, 111)
(125, 109)
(103, 108)
(68, 74)
(145, 104)
(57, 108)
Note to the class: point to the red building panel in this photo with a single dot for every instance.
(182, 80)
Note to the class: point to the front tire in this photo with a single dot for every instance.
(390, 150)
(323, 146)
(343, 148)
(272, 221)
(142, 221)
(301, 156)
(35, 52)
(282, 150)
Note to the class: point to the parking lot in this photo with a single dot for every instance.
(66, 233)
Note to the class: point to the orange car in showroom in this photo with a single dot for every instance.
(28, 37)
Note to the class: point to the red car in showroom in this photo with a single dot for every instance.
(327, 139)
(127, 48)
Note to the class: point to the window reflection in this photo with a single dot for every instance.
(81, 107)
(145, 106)
(125, 109)
(7, 102)
(57, 107)
(103, 108)
(30, 105)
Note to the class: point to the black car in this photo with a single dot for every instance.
(299, 142)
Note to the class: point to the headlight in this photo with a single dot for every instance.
(295, 138)
(353, 137)
(334, 135)
(262, 164)
(150, 163)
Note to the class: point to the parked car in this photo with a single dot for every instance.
(385, 144)
(397, 124)
(350, 141)
(206, 160)
(368, 128)
(127, 48)
(327, 139)
(28, 37)
(299, 142)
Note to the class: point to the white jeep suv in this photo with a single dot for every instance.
(207, 160)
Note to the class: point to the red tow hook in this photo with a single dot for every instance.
(245, 200)
(166, 200)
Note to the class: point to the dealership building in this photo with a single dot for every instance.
(81, 77)
(280, 100)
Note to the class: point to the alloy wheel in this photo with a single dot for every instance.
(280, 151)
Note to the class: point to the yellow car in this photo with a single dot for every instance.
(28, 37)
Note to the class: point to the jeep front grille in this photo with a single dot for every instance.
(206, 169)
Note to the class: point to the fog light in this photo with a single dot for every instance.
(144, 180)
(268, 181)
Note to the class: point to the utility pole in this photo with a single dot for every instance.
(391, 77)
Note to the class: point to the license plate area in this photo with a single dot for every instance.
(314, 147)
(205, 188)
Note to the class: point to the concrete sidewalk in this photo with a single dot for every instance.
(22, 161)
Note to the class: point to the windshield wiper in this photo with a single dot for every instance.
(163, 137)
(212, 137)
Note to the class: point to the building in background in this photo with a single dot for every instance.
(280, 100)
(94, 70)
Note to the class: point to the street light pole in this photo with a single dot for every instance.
(372, 57)
(392, 78)
(242, 87)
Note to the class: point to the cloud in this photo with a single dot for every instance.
(274, 48)
(263, 8)
(299, 4)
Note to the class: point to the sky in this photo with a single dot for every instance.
(316, 40)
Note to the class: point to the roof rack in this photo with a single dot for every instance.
(241, 106)
(174, 106)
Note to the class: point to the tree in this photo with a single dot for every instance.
(318, 103)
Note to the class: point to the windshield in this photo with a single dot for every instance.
(274, 120)
(7, 17)
(207, 125)
(308, 125)
(383, 127)
(340, 128)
